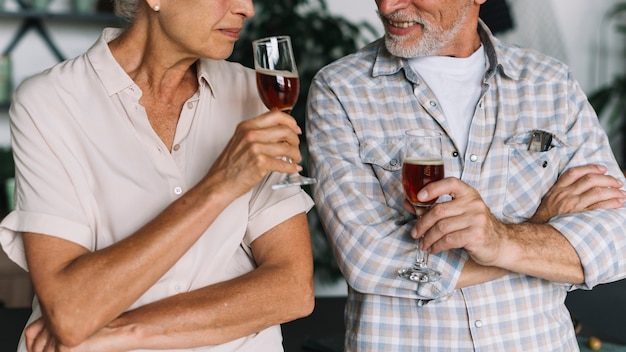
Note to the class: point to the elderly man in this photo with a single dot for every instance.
(518, 224)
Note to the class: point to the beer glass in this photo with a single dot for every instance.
(422, 164)
(278, 84)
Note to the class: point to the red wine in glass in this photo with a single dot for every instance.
(417, 173)
(278, 85)
(278, 89)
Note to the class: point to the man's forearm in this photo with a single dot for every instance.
(536, 250)
(474, 274)
(541, 251)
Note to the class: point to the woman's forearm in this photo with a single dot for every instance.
(279, 290)
(81, 291)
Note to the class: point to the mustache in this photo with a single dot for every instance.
(399, 16)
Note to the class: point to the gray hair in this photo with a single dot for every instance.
(125, 9)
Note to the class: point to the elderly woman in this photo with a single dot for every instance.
(144, 212)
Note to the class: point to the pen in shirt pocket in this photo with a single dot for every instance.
(540, 141)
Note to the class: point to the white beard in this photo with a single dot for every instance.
(434, 37)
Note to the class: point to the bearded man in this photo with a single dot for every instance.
(531, 208)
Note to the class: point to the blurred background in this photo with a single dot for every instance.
(586, 35)
(589, 36)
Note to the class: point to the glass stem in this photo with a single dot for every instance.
(421, 257)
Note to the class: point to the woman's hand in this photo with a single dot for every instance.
(256, 148)
(39, 339)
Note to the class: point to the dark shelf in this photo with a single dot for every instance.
(61, 16)
(37, 20)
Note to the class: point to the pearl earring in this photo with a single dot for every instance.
(156, 8)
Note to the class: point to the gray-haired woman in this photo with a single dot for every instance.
(143, 211)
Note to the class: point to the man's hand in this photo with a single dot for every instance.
(466, 222)
(463, 222)
(578, 189)
(533, 248)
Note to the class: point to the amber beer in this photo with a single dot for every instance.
(278, 89)
(417, 173)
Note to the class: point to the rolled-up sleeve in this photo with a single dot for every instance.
(598, 236)
(269, 207)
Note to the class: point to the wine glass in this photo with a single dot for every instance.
(278, 84)
(423, 163)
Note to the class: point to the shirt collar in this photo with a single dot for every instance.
(387, 64)
(205, 66)
(109, 71)
(499, 60)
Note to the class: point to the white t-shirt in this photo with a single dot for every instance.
(92, 170)
(457, 84)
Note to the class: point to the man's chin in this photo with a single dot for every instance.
(403, 48)
(399, 48)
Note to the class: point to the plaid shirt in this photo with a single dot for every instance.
(358, 110)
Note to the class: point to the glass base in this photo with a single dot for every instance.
(419, 274)
(294, 180)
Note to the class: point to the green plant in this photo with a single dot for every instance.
(609, 101)
(318, 38)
